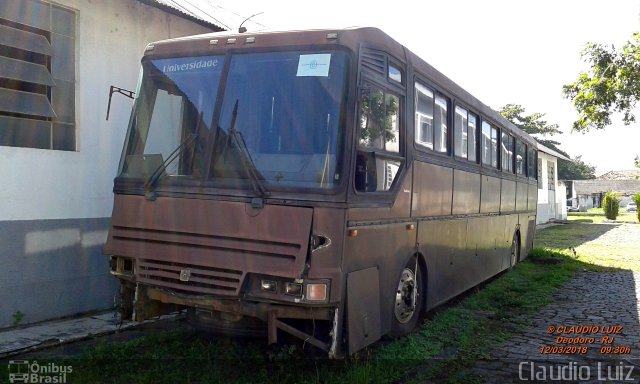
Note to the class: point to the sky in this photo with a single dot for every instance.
(519, 52)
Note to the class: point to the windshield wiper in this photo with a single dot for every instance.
(248, 165)
(155, 175)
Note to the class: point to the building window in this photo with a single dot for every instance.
(465, 134)
(539, 173)
(431, 119)
(37, 75)
(551, 173)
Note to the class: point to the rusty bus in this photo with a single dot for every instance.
(328, 184)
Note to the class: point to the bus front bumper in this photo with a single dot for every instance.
(271, 313)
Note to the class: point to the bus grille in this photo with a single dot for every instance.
(189, 278)
(204, 264)
(208, 247)
(373, 60)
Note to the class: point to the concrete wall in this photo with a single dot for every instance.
(585, 201)
(56, 204)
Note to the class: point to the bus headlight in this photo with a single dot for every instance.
(316, 292)
(269, 285)
(293, 289)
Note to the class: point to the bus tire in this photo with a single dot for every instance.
(515, 250)
(408, 302)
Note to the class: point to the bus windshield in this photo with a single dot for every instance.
(281, 122)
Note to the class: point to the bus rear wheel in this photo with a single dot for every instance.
(407, 304)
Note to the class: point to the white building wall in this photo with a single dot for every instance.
(542, 214)
(561, 200)
(551, 203)
(56, 204)
(110, 39)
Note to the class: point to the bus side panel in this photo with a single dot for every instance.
(495, 260)
(487, 232)
(363, 308)
(326, 260)
(490, 194)
(432, 186)
(527, 232)
(533, 198)
(449, 265)
(508, 196)
(387, 247)
(521, 197)
(466, 192)
(531, 234)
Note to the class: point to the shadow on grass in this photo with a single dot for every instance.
(583, 221)
(572, 235)
(545, 256)
(599, 213)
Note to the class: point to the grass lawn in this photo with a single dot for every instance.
(591, 245)
(447, 343)
(596, 215)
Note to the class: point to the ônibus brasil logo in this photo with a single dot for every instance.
(25, 371)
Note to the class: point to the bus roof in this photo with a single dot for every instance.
(352, 38)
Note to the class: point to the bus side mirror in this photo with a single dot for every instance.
(113, 89)
(366, 177)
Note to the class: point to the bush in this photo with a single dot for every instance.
(611, 205)
(636, 199)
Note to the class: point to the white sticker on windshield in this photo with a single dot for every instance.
(314, 65)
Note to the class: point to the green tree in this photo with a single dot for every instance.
(637, 161)
(376, 117)
(535, 124)
(575, 170)
(611, 85)
(532, 124)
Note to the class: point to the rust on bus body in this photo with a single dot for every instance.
(217, 242)
(446, 223)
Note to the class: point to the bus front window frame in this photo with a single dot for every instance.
(379, 165)
(331, 88)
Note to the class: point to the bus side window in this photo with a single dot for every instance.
(532, 162)
(431, 119)
(489, 145)
(464, 136)
(521, 156)
(379, 135)
(506, 145)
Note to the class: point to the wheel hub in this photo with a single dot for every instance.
(406, 296)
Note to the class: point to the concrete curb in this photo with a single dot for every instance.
(15, 341)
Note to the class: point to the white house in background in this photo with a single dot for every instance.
(585, 194)
(58, 154)
(551, 192)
